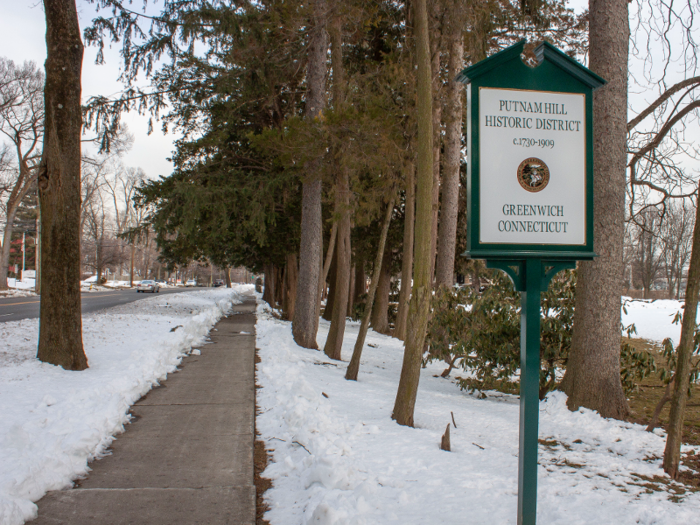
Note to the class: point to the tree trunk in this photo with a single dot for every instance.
(280, 290)
(227, 277)
(422, 279)
(6, 246)
(380, 309)
(450, 173)
(360, 281)
(291, 275)
(334, 342)
(407, 263)
(269, 291)
(131, 265)
(305, 323)
(592, 378)
(351, 292)
(60, 334)
(20, 189)
(330, 298)
(476, 276)
(672, 453)
(98, 261)
(434, 38)
(329, 260)
(147, 258)
(668, 393)
(37, 254)
(354, 366)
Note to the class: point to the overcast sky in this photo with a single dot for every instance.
(22, 32)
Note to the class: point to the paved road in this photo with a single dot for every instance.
(16, 308)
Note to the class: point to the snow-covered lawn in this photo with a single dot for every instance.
(338, 458)
(653, 319)
(52, 422)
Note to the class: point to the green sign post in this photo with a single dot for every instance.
(530, 197)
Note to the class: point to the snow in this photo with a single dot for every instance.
(91, 288)
(54, 421)
(118, 284)
(653, 319)
(14, 292)
(25, 284)
(339, 458)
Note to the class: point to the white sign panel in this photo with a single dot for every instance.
(532, 163)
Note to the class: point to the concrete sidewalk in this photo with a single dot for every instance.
(187, 456)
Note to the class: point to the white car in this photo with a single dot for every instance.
(148, 286)
(191, 282)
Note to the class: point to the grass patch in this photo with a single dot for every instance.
(471, 384)
(642, 404)
(644, 399)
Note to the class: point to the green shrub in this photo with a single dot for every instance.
(480, 332)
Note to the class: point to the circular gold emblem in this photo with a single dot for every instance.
(533, 174)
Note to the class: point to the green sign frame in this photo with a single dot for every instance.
(555, 73)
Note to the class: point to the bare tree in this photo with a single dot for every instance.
(120, 184)
(658, 148)
(628, 254)
(21, 123)
(648, 258)
(653, 145)
(676, 239)
(7, 174)
(95, 231)
(686, 347)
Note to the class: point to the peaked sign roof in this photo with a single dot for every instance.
(547, 55)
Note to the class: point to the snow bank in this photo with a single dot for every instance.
(338, 458)
(53, 422)
(26, 284)
(14, 292)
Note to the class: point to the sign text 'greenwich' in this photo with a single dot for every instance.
(532, 146)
